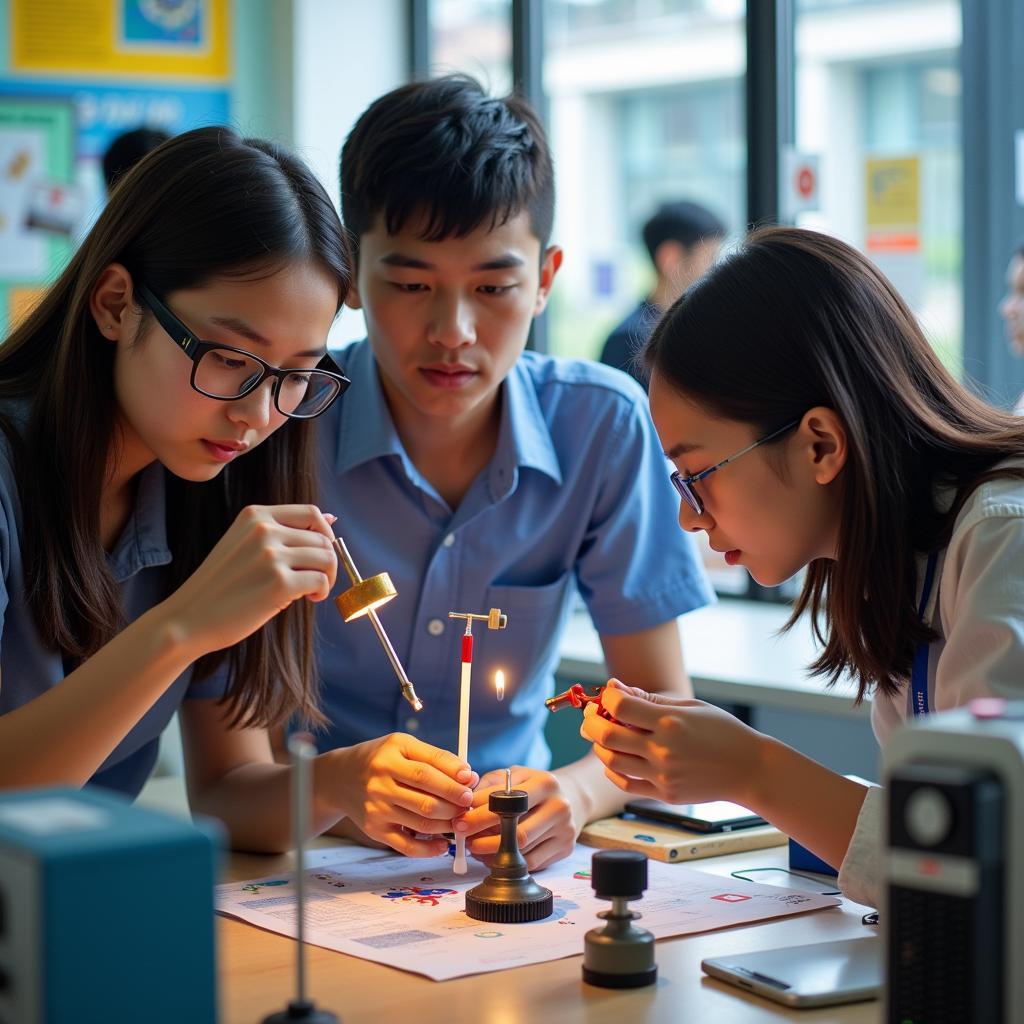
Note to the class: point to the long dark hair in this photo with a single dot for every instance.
(796, 319)
(204, 205)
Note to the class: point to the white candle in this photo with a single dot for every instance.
(460, 867)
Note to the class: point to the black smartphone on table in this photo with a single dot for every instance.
(715, 816)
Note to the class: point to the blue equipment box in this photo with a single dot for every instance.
(106, 911)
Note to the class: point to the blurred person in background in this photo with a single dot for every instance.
(1012, 310)
(682, 239)
(127, 150)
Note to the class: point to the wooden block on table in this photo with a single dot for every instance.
(673, 845)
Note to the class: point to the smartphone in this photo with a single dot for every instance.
(716, 816)
(825, 974)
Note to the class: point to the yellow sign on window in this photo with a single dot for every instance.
(180, 39)
(893, 203)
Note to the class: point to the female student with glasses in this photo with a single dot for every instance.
(864, 461)
(156, 490)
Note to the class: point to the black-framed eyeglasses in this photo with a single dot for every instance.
(684, 484)
(226, 373)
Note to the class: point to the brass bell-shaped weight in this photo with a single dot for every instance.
(496, 619)
(365, 595)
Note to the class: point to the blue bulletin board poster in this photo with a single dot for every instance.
(101, 106)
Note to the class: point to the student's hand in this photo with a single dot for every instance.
(547, 832)
(270, 556)
(672, 749)
(397, 786)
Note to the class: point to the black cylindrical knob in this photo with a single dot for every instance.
(514, 801)
(618, 873)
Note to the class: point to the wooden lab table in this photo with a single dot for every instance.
(257, 975)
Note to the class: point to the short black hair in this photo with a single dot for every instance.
(128, 149)
(683, 222)
(446, 150)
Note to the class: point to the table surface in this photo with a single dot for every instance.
(257, 974)
(734, 655)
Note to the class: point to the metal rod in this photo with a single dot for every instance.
(302, 752)
(346, 561)
(408, 690)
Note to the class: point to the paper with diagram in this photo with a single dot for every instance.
(409, 913)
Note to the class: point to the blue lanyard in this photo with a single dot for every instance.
(919, 669)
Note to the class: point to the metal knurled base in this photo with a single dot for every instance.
(605, 979)
(509, 913)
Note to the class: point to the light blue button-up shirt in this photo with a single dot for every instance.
(576, 496)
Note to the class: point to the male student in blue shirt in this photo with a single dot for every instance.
(479, 475)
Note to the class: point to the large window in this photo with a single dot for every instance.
(645, 105)
(475, 37)
(878, 101)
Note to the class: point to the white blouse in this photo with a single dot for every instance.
(979, 603)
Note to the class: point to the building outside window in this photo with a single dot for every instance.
(878, 101)
(474, 37)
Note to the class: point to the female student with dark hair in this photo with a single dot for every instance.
(157, 486)
(810, 424)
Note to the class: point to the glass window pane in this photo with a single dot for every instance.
(645, 106)
(473, 36)
(878, 101)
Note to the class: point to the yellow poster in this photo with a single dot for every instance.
(164, 38)
(893, 203)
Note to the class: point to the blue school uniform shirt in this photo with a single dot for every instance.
(576, 495)
(28, 668)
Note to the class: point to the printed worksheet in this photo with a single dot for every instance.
(409, 913)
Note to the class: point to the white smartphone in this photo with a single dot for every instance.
(824, 974)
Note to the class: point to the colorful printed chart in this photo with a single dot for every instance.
(409, 913)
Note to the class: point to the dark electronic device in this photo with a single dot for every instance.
(955, 866)
(715, 816)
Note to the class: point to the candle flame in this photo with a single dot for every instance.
(499, 684)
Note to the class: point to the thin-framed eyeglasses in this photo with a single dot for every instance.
(684, 484)
(226, 373)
